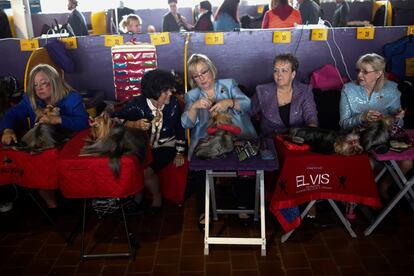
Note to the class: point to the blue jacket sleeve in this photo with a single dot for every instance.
(347, 119)
(73, 112)
(17, 115)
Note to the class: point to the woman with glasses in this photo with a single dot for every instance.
(45, 87)
(207, 97)
(369, 99)
(158, 112)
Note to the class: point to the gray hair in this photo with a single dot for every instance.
(378, 64)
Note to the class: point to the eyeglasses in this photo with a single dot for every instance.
(281, 70)
(364, 72)
(202, 74)
(42, 84)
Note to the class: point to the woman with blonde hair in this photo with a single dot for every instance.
(45, 87)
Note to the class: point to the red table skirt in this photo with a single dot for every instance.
(29, 170)
(90, 176)
(306, 176)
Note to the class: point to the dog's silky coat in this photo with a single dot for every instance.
(328, 141)
(44, 136)
(218, 144)
(109, 137)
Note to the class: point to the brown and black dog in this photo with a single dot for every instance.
(110, 137)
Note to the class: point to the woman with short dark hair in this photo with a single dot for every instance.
(158, 112)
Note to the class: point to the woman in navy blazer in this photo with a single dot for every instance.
(284, 103)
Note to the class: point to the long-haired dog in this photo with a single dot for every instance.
(220, 140)
(376, 136)
(109, 137)
(327, 141)
(44, 136)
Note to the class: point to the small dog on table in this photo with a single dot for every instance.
(327, 141)
(110, 137)
(220, 140)
(44, 136)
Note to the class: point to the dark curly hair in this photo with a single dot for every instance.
(156, 82)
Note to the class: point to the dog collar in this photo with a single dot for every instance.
(226, 127)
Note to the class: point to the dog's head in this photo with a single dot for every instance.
(348, 144)
(220, 118)
(49, 110)
(100, 126)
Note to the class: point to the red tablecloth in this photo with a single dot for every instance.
(90, 176)
(306, 176)
(29, 170)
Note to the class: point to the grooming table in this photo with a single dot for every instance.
(306, 177)
(229, 167)
(389, 160)
(90, 177)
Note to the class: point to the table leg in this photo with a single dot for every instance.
(401, 181)
(207, 213)
(389, 207)
(344, 221)
(260, 180)
(257, 200)
(286, 236)
(210, 176)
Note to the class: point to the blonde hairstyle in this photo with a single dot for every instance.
(378, 64)
(192, 63)
(60, 88)
(127, 19)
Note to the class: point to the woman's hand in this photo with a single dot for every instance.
(8, 136)
(142, 124)
(222, 106)
(400, 114)
(202, 103)
(50, 119)
(179, 160)
(371, 116)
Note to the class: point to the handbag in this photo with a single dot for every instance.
(327, 78)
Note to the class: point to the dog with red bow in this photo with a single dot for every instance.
(221, 132)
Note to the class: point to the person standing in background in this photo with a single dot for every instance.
(76, 19)
(173, 21)
(5, 31)
(341, 14)
(227, 16)
(281, 15)
(309, 11)
(205, 17)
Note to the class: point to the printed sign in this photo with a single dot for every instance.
(70, 42)
(319, 34)
(214, 38)
(281, 37)
(112, 40)
(160, 38)
(365, 33)
(29, 44)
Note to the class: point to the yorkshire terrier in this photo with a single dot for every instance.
(109, 137)
(44, 136)
(219, 142)
(327, 141)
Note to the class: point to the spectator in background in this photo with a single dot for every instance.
(5, 31)
(341, 14)
(205, 17)
(151, 29)
(226, 17)
(131, 24)
(173, 21)
(76, 19)
(309, 11)
(281, 15)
